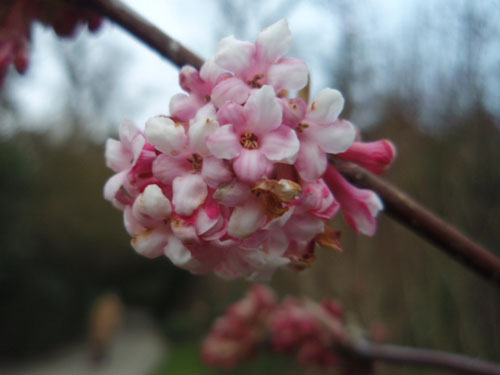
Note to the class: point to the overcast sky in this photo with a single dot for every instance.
(147, 81)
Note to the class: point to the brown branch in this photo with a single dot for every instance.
(422, 221)
(397, 204)
(366, 352)
(360, 355)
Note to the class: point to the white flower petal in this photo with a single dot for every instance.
(234, 55)
(180, 254)
(246, 220)
(326, 107)
(165, 134)
(200, 127)
(114, 184)
(150, 243)
(333, 138)
(288, 73)
(274, 41)
(117, 157)
(153, 203)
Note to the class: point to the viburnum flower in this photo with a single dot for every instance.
(299, 328)
(16, 17)
(236, 179)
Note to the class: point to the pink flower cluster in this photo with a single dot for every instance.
(16, 17)
(307, 331)
(236, 180)
(235, 337)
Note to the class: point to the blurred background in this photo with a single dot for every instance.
(77, 299)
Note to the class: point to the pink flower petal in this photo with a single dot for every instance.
(263, 111)
(189, 193)
(281, 145)
(359, 206)
(127, 132)
(294, 111)
(166, 135)
(234, 55)
(246, 220)
(184, 107)
(326, 107)
(332, 138)
(190, 80)
(215, 172)
(304, 227)
(211, 72)
(234, 114)
(374, 156)
(288, 73)
(274, 41)
(311, 161)
(232, 89)
(166, 168)
(224, 143)
(250, 166)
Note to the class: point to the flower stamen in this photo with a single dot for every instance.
(255, 81)
(197, 161)
(249, 141)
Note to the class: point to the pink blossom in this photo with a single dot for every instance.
(377, 156)
(253, 136)
(320, 132)
(298, 328)
(359, 206)
(233, 181)
(262, 63)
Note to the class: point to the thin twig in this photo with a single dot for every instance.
(397, 204)
(419, 357)
(364, 353)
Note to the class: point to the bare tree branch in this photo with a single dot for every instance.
(397, 204)
(366, 352)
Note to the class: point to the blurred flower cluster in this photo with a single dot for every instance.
(236, 179)
(302, 329)
(16, 17)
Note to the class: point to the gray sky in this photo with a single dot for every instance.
(147, 81)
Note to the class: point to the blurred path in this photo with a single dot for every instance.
(137, 350)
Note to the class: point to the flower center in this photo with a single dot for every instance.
(197, 161)
(255, 81)
(301, 127)
(249, 141)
